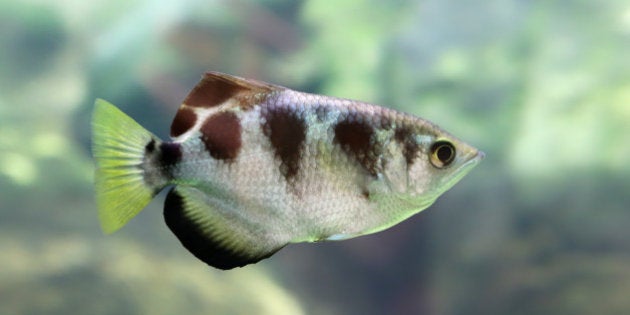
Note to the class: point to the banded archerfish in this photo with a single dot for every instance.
(254, 166)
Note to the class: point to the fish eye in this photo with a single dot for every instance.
(442, 154)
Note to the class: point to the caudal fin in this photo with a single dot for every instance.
(118, 146)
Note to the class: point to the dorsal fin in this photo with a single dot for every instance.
(216, 89)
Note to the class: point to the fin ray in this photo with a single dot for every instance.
(218, 238)
(118, 144)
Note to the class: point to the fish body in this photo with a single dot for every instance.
(256, 166)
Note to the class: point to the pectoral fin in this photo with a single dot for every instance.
(213, 233)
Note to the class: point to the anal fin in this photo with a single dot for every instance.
(215, 235)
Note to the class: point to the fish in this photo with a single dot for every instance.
(253, 166)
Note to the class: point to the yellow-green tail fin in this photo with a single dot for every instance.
(118, 146)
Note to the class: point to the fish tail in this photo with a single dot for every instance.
(119, 146)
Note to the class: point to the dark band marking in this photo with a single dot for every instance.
(221, 134)
(184, 120)
(170, 153)
(164, 156)
(215, 88)
(410, 147)
(286, 132)
(356, 139)
(212, 91)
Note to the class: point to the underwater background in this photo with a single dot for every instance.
(542, 226)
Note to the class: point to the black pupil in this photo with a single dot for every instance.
(444, 153)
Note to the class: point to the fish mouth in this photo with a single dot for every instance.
(468, 165)
(461, 171)
(476, 158)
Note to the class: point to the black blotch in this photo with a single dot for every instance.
(221, 134)
(170, 153)
(356, 139)
(286, 131)
(200, 243)
(410, 147)
(150, 147)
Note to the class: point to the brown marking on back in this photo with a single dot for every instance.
(410, 147)
(286, 131)
(184, 120)
(356, 139)
(221, 134)
(215, 88)
(212, 91)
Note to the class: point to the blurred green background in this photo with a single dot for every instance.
(542, 226)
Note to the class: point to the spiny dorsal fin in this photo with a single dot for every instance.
(216, 236)
(216, 89)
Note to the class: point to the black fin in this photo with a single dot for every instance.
(215, 237)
